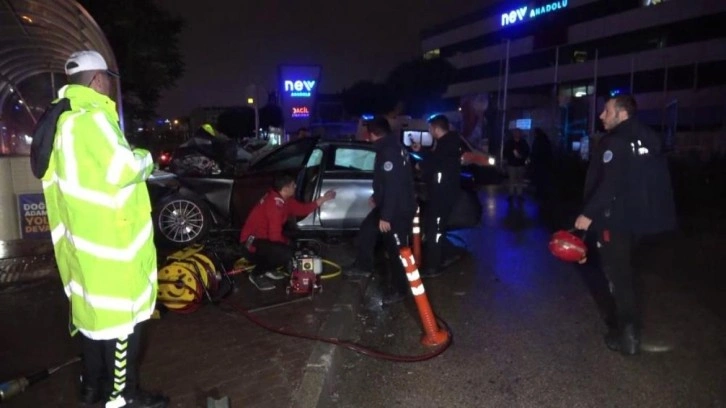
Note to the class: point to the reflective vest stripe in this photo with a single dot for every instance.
(95, 197)
(70, 184)
(106, 252)
(91, 196)
(120, 330)
(109, 302)
(66, 144)
(116, 254)
(122, 156)
(57, 233)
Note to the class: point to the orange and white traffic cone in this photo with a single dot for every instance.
(416, 241)
(433, 335)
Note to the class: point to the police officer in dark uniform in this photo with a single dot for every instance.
(394, 208)
(627, 194)
(441, 172)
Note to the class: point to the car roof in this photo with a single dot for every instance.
(343, 142)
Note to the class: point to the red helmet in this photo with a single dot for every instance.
(567, 246)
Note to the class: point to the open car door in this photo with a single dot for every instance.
(251, 185)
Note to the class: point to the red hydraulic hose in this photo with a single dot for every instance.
(358, 348)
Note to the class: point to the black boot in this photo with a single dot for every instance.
(625, 340)
(90, 395)
(630, 340)
(143, 399)
(612, 339)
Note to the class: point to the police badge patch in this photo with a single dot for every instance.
(388, 166)
(607, 156)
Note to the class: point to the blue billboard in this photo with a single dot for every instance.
(298, 90)
(32, 216)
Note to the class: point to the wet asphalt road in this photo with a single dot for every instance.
(527, 327)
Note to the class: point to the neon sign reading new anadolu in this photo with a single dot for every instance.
(525, 13)
(299, 88)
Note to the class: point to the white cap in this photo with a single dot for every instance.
(87, 61)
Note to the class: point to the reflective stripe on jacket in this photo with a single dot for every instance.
(100, 218)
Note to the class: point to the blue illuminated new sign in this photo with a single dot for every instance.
(525, 13)
(299, 89)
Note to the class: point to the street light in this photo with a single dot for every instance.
(252, 100)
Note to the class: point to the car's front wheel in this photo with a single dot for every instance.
(181, 220)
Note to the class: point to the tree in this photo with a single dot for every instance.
(271, 114)
(366, 97)
(145, 41)
(420, 83)
(237, 123)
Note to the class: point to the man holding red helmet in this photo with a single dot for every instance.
(627, 195)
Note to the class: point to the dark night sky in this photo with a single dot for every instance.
(229, 44)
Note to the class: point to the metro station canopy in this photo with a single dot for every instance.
(37, 36)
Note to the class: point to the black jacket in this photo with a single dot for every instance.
(522, 148)
(627, 188)
(541, 155)
(393, 188)
(444, 159)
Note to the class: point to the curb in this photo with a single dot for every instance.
(26, 261)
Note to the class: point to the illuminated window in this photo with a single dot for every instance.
(419, 137)
(432, 54)
(579, 56)
(522, 124)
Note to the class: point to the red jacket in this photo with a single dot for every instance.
(270, 214)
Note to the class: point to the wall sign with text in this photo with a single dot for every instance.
(33, 216)
(300, 112)
(526, 13)
(298, 85)
(299, 88)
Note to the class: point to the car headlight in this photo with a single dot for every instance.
(492, 161)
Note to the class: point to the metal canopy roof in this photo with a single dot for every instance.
(38, 36)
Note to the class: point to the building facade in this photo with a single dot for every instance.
(552, 64)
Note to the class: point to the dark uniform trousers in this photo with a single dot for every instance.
(615, 249)
(436, 245)
(112, 365)
(368, 237)
(270, 255)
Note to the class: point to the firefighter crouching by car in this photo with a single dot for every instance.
(262, 232)
(441, 172)
(100, 216)
(394, 205)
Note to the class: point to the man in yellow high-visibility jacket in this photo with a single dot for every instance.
(100, 217)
